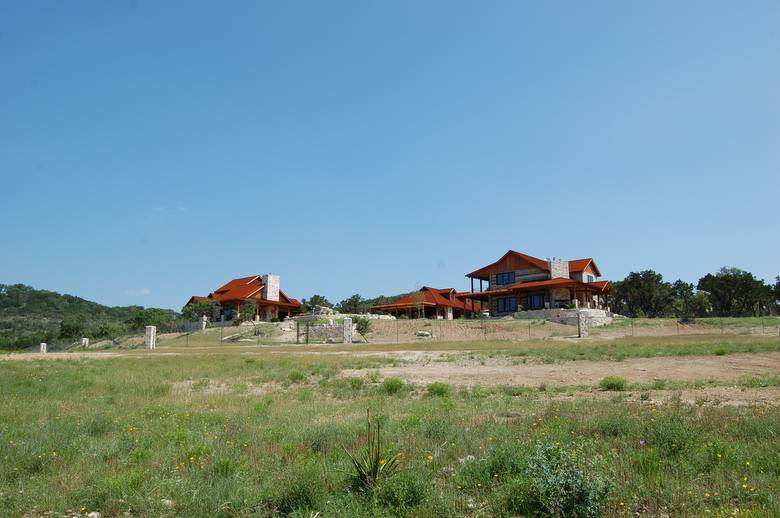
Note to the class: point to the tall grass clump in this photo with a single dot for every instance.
(439, 389)
(392, 385)
(616, 383)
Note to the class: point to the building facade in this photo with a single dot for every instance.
(264, 290)
(520, 282)
(441, 303)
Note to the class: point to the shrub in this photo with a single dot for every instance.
(617, 383)
(559, 487)
(404, 491)
(356, 383)
(392, 385)
(615, 425)
(670, 433)
(363, 326)
(295, 490)
(439, 389)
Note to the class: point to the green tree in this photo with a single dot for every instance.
(73, 326)
(315, 300)
(353, 304)
(196, 310)
(643, 293)
(776, 295)
(247, 311)
(682, 300)
(162, 318)
(736, 293)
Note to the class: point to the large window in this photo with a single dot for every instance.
(535, 301)
(590, 278)
(507, 305)
(505, 278)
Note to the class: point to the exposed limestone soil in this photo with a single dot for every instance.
(635, 370)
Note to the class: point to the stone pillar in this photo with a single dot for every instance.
(203, 322)
(347, 330)
(576, 303)
(150, 337)
(582, 325)
(43, 347)
(85, 342)
(271, 287)
(449, 313)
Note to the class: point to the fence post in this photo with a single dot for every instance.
(307, 333)
(297, 332)
(678, 328)
(632, 326)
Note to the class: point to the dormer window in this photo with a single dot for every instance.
(505, 278)
(591, 278)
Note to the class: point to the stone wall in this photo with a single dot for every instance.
(595, 317)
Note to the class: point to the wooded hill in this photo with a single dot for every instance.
(29, 316)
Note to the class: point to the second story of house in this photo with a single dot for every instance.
(515, 268)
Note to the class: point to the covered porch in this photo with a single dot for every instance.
(547, 294)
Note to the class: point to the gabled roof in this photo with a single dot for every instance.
(539, 263)
(425, 297)
(602, 285)
(245, 288)
(241, 288)
(578, 265)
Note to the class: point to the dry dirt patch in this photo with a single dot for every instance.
(707, 396)
(635, 370)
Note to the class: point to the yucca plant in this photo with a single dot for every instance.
(370, 467)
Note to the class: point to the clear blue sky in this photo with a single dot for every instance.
(154, 150)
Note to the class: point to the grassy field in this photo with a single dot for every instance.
(260, 431)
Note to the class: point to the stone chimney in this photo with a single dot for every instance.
(271, 287)
(558, 268)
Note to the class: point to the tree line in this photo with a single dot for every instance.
(29, 316)
(730, 292)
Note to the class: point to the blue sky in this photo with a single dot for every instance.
(154, 150)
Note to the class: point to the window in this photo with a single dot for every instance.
(507, 305)
(505, 278)
(590, 278)
(535, 301)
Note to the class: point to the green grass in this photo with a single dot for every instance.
(616, 383)
(149, 435)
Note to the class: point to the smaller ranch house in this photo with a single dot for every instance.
(264, 290)
(442, 303)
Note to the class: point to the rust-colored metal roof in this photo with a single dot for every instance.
(246, 288)
(575, 265)
(426, 297)
(578, 265)
(539, 263)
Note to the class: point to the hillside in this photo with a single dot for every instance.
(29, 316)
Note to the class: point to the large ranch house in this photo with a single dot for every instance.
(520, 282)
(271, 302)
